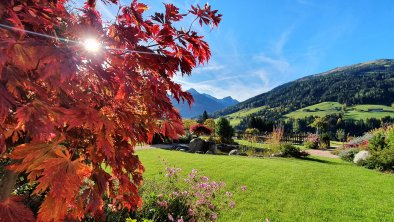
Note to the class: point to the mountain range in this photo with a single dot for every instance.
(202, 102)
(364, 83)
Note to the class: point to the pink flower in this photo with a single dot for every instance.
(191, 212)
(232, 204)
(180, 219)
(214, 216)
(170, 217)
(204, 178)
(162, 203)
(243, 188)
(228, 194)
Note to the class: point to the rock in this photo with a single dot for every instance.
(361, 156)
(233, 152)
(182, 150)
(199, 152)
(209, 152)
(212, 148)
(179, 147)
(196, 144)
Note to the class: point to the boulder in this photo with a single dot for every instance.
(361, 156)
(212, 147)
(208, 152)
(233, 152)
(196, 144)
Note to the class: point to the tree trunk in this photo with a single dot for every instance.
(7, 184)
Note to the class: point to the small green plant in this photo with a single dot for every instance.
(348, 154)
(325, 141)
(288, 150)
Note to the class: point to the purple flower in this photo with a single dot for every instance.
(232, 204)
(243, 188)
(228, 194)
(204, 178)
(204, 185)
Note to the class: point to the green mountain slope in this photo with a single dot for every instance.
(364, 83)
(356, 112)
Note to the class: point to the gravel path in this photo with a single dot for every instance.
(147, 146)
(323, 153)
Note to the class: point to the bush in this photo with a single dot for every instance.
(325, 141)
(377, 142)
(381, 149)
(288, 150)
(252, 131)
(185, 139)
(382, 160)
(312, 141)
(348, 154)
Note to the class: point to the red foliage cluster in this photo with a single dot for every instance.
(66, 111)
(200, 129)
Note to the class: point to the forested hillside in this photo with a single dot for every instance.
(364, 83)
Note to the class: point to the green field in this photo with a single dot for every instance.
(353, 112)
(280, 189)
(235, 118)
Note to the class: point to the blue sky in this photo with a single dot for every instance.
(261, 44)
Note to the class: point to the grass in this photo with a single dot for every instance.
(316, 189)
(356, 112)
(235, 118)
(255, 145)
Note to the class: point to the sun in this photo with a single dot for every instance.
(92, 45)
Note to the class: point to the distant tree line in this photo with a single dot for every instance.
(329, 124)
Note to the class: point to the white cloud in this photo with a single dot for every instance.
(280, 64)
(210, 67)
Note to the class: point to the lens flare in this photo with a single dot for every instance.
(92, 45)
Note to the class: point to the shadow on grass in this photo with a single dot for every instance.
(322, 161)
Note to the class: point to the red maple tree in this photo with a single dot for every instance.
(65, 113)
(200, 129)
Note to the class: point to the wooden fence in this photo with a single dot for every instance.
(293, 138)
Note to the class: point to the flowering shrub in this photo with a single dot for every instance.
(312, 141)
(191, 198)
(359, 142)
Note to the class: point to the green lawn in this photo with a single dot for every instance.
(281, 189)
(353, 112)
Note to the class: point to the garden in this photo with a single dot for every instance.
(78, 94)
